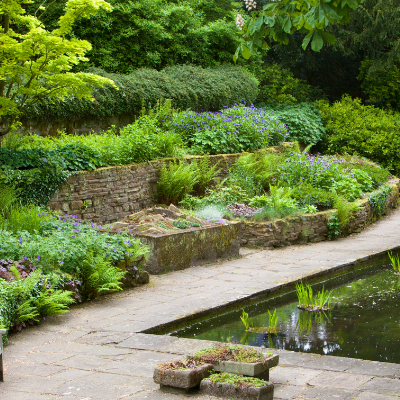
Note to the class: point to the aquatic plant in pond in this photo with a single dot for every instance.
(271, 328)
(395, 261)
(307, 300)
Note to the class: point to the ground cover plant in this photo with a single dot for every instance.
(265, 186)
(239, 381)
(49, 261)
(232, 130)
(229, 352)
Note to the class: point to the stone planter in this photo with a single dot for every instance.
(184, 379)
(180, 250)
(257, 370)
(228, 391)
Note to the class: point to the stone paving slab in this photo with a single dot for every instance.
(96, 352)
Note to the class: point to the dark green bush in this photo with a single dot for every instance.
(306, 194)
(361, 130)
(303, 121)
(188, 86)
(278, 85)
(37, 173)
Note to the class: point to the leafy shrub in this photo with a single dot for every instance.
(347, 187)
(361, 130)
(308, 195)
(188, 87)
(232, 130)
(240, 177)
(333, 227)
(37, 173)
(382, 86)
(279, 85)
(176, 181)
(302, 120)
(378, 200)
(64, 244)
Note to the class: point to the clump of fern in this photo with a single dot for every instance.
(344, 210)
(206, 173)
(99, 276)
(176, 181)
(26, 300)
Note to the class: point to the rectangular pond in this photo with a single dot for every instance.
(363, 321)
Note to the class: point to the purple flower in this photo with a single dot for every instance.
(20, 240)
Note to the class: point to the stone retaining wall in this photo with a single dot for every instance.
(109, 194)
(311, 227)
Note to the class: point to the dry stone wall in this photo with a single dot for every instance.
(109, 194)
(311, 227)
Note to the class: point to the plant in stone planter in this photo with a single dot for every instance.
(309, 302)
(395, 261)
(229, 385)
(239, 360)
(182, 374)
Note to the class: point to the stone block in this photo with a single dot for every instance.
(180, 250)
(228, 391)
(182, 378)
(257, 370)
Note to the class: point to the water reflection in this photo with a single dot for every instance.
(364, 322)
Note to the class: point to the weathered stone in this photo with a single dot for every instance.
(258, 370)
(179, 250)
(226, 390)
(174, 209)
(119, 226)
(182, 378)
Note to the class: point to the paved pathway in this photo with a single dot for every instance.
(96, 351)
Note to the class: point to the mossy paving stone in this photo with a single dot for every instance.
(383, 385)
(376, 368)
(323, 393)
(341, 380)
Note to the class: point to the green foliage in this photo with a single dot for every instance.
(277, 21)
(28, 299)
(176, 181)
(232, 130)
(36, 63)
(278, 85)
(382, 86)
(262, 166)
(378, 199)
(309, 195)
(278, 204)
(303, 121)
(30, 218)
(308, 301)
(344, 210)
(7, 199)
(156, 33)
(311, 209)
(37, 173)
(348, 188)
(361, 130)
(98, 276)
(395, 261)
(206, 174)
(273, 322)
(245, 319)
(247, 182)
(210, 211)
(186, 85)
(236, 380)
(64, 244)
(334, 229)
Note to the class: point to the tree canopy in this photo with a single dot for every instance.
(37, 63)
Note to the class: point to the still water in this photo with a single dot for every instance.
(363, 322)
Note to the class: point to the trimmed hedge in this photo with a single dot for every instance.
(188, 86)
(361, 130)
